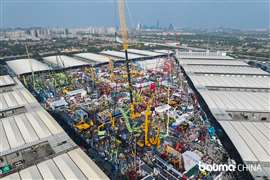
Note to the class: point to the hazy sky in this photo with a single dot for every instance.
(245, 14)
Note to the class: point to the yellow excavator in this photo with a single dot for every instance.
(82, 125)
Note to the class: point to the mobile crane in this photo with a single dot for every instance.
(124, 34)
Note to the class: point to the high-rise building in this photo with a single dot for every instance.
(157, 25)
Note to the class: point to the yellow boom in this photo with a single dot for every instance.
(123, 27)
(124, 34)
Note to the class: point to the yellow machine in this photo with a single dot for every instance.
(133, 114)
(146, 126)
(65, 90)
(148, 141)
(156, 140)
(101, 132)
(124, 34)
(112, 121)
(123, 27)
(173, 103)
(142, 143)
(82, 125)
(176, 160)
(100, 126)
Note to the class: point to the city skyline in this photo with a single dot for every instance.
(191, 14)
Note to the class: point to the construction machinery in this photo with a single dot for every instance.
(148, 139)
(112, 120)
(124, 34)
(80, 117)
(82, 125)
(133, 114)
(65, 90)
(100, 130)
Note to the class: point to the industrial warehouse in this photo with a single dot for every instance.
(161, 133)
(174, 117)
(237, 101)
(127, 113)
(33, 145)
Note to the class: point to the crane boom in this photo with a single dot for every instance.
(123, 26)
(124, 34)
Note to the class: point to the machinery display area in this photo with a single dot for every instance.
(155, 129)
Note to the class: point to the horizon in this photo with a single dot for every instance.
(240, 14)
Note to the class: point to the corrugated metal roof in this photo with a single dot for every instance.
(30, 173)
(239, 143)
(40, 128)
(14, 176)
(236, 101)
(21, 66)
(212, 62)
(145, 52)
(27, 128)
(152, 64)
(74, 164)
(93, 57)
(9, 100)
(70, 169)
(87, 166)
(64, 61)
(260, 82)
(249, 140)
(13, 133)
(35, 126)
(120, 54)
(6, 81)
(49, 170)
(199, 69)
(4, 145)
(202, 55)
(164, 51)
(49, 121)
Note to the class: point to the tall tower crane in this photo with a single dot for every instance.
(124, 35)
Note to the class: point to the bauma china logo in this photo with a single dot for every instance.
(229, 167)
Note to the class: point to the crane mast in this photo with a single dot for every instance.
(124, 35)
